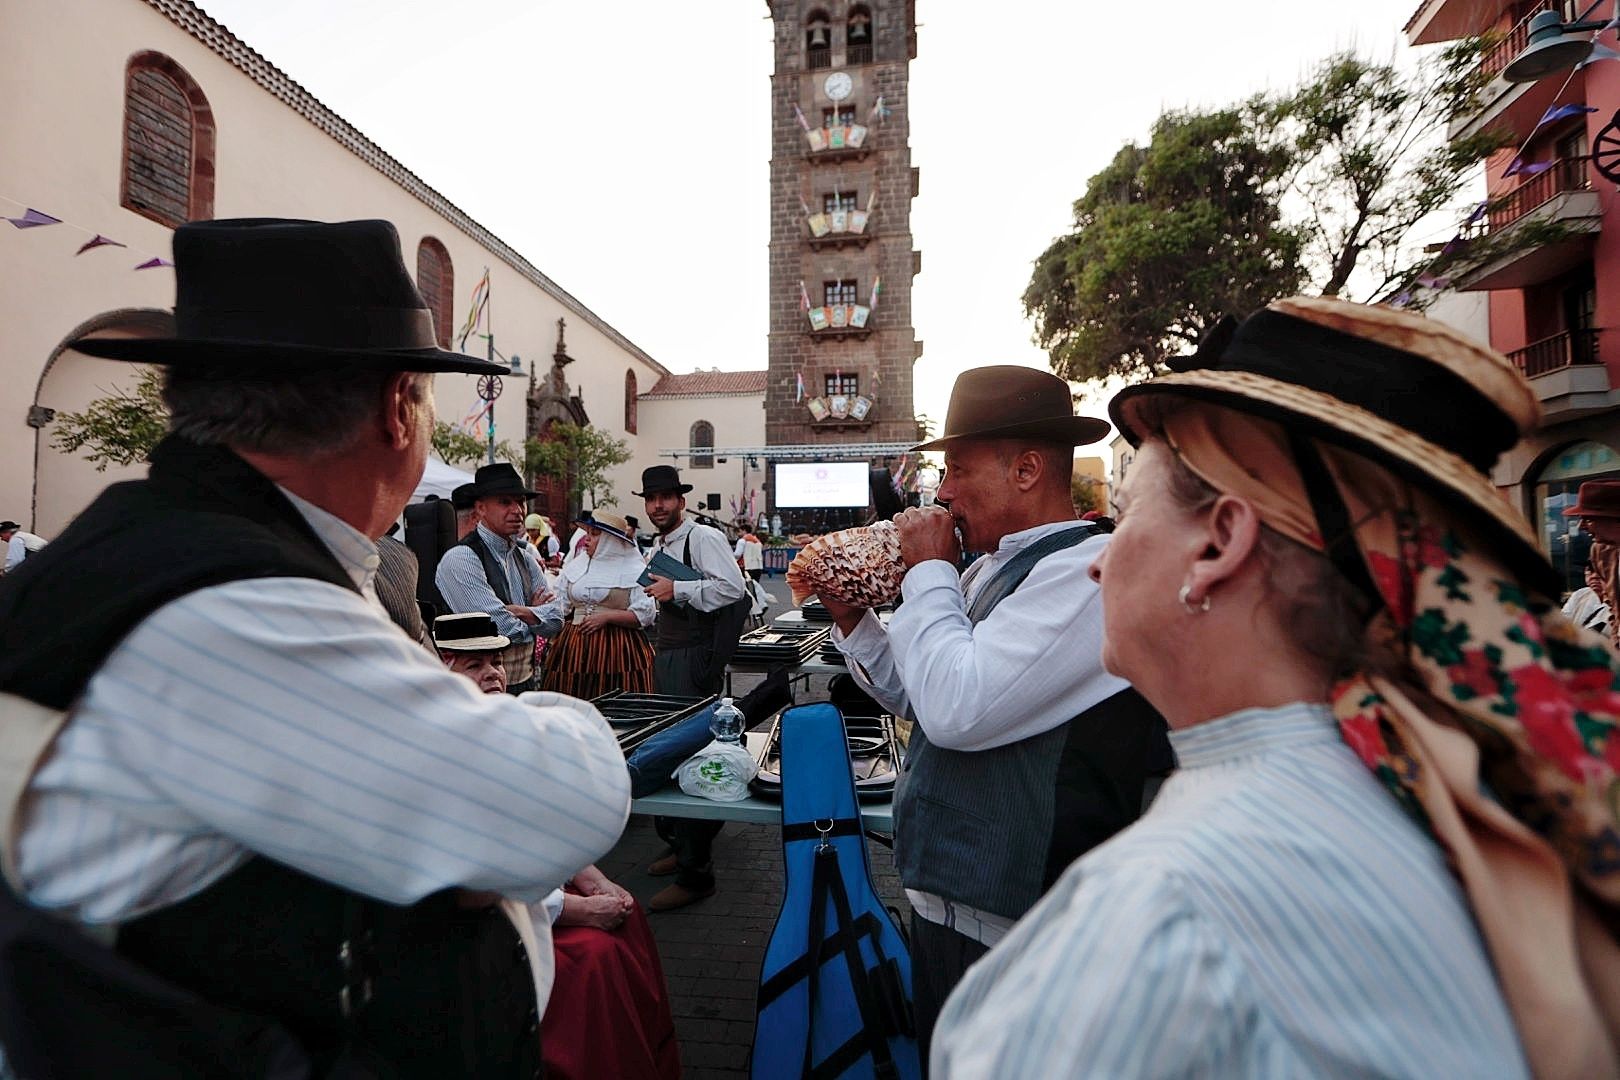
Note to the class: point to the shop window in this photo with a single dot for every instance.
(1554, 489)
(702, 438)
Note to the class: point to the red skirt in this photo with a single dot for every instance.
(609, 1010)
(589, 665)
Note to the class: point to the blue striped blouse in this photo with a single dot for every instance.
(1274, 914)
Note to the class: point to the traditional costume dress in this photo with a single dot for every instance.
(588, 664)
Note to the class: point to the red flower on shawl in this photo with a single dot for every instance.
(1429, 549)
(1386, 572)
(1593, 690)
(1548, 715)
(1475, 672)
(1363, 735)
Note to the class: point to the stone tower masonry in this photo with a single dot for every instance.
(841, 189)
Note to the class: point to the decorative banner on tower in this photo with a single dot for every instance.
(475, 310)
(798, 387)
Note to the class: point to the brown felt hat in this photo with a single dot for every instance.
(1597, 499)
(1006, 401)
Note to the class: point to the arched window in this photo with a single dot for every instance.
(168, 172)
(702, 439)
(858, 35)
(817, 40)
(630, 401)
(436, 281)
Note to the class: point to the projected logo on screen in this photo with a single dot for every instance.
(821, 485)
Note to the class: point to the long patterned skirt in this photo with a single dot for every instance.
(589, 665)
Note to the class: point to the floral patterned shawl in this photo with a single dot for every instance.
(1486, 713)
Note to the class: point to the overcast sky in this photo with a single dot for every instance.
(623, 146)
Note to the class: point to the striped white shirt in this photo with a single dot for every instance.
(1275, 914)
(289, 717)
(461, 581)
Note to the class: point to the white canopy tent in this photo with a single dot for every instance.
(439, 479)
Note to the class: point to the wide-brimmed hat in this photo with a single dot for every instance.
(273, 295)
(1006, 401)
(1409, 392)
(9, 526)
(472, 631)
(500, 478)
(1596, 499)
(463, 496)
(660, 478)
(608, 522)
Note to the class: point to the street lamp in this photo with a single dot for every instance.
(1555, 46)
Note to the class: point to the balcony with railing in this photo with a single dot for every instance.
(1569, 349)
(858, 53)
(1566, 175)
(1501, 54)
(1566, 214)
(1514, 107)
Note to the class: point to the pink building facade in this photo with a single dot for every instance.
(1554, 308)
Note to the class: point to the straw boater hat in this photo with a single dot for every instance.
(1413, 394)
(1006, 401)
(608, 522)
(471, 632)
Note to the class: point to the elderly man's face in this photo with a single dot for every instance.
(483, 668)
(502, 514)
(978, 490)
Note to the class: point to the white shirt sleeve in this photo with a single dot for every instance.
(289, 717)
(722, 581)
(643, 606)
(16, 551)
(872, 665)
(1033, 664)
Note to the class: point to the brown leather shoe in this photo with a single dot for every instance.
(671, 897)
(663, 866)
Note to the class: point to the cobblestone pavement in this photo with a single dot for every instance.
(712, 951)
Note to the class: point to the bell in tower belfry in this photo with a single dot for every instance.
(818, 35)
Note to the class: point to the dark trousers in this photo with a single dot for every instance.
(939, 958)
(675, 671)
(692, 841)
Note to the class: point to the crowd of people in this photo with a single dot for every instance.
(1294, 767)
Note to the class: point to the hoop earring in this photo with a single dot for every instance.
(1186, 591)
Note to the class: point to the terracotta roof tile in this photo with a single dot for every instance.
(708, 384)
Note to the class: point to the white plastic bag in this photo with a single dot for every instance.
(719, 771)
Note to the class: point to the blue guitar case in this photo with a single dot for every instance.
(847, 1012)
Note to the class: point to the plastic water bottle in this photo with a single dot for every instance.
(727, 723)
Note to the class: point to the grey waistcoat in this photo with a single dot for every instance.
(994, 828)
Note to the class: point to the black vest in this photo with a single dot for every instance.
(433, 989)
(495, 572)
(994, 828)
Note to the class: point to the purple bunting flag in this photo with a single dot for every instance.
(98, 241)
(1562, 112)
(1536, 168)
(1402, 300)
(153, 263)
(33, 219)
(1479, 212)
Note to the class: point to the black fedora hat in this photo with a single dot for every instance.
(463, 496)
(1006, 401)
(282, 295)
(499, 479)
(660, 478)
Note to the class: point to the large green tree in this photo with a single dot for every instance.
(1318, 189)
(1169, 237)
(579, 457)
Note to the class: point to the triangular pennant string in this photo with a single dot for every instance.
(97, 241)
(33, 219)
(153, 263)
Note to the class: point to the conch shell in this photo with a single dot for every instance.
(853, 566)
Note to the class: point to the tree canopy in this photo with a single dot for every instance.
(1318, 189)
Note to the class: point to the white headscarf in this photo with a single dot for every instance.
(616, 565)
